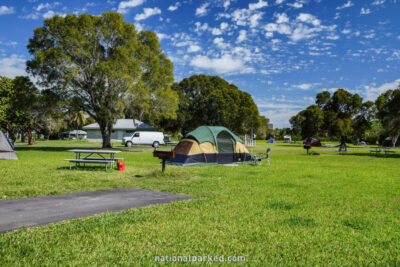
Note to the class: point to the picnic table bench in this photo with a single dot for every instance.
(100, 159)
(84, 161)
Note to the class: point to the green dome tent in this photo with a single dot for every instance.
(210, 145)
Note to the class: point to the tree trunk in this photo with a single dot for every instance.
(12, 137)
(394, 140)
(22, 137)
(76, 133)
(31, 140)
(106, 129)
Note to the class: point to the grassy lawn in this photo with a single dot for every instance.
(302, 210)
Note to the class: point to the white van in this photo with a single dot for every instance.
(144, 138)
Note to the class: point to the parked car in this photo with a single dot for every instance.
(144, 138)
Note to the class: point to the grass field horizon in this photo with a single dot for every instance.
(302, 210)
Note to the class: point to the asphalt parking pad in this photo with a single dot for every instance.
(36, 211)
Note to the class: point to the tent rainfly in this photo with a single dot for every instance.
(210, 145)
(6, 148)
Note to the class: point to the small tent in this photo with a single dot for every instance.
(6, 148)
(271, 140)
(210, 145)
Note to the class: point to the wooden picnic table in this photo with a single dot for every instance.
(94, 156)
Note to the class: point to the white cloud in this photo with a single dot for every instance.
(304, 86)
(254, 19)
(240, 16)
(174, 7)
(395, 56)
(281, 18)
(372, 92)
(284, 29)
(200, 27)
(147, 12)
(5, 10)
(222, 65)
(280, 28)
(346, 31)
(47, 6)
(280, 116)
(333, 37)
(227, 3)
(365, 11)
(272, 105)
(202, 10)
(345, 5)
(223, 26)
(162, 36)
(271, 27)
(278, 2)
(369, 36)
(308, 18)
(378, 2)
(269, 34)
(51, 13)
(220, 42)
(242, 36)
(124, 6)
(296, 5)
(216, 31)
(302, 32)
(193, 48)
(30, 16)
(12, 66)
(258, 5)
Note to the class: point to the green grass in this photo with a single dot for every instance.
(303, 210)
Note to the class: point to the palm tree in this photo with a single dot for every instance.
(79, 119)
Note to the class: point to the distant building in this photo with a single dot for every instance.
(76, 133)
(122, 128)
(287, 139)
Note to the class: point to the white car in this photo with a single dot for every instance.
(144, 138)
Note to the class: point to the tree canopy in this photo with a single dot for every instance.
(105, 63)
(210, 100)
(342, 114)
(388, 112)
(6, 87)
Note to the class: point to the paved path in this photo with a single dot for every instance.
(36, 211)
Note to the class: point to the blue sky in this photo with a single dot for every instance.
(282, 52)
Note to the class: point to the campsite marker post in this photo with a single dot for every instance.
(163, 155)
(308, 147)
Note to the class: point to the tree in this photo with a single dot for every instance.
(342, 107)
(388, 112)
(79, 119)
(210, 100)
(296, 121)
(25, 102)
(312, 121)
(6, 86)
(101, 60)
(266, 127)
(322, 99)
(362, 123)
